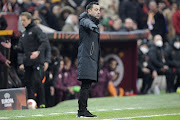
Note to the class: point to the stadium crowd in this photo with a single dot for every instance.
(159, 54)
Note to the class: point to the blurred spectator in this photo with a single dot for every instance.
(11, 6)
(116, 25)
(51, 76)
(176, 21)
(144, 68)
(2, 58)
(161, 6)
(64, 13)
(64, 89)
(168, 14)
(77, 4)
(100, 89)
(128, 25)
(56, 10)
(173, 57)
(130, 9)
(156, 21)
(48, 19)
(158, 61)
(59, 87)
(3, 26)
(44, 28)
(113, 91)
(3, 22)
(144, 14)
(71, 24)
(33, 61)
(74, 73)
(111, 7)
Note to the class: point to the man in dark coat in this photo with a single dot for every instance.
(88, 54)
(32, 44)
(173, 57)
(158, 61)
(144, 68)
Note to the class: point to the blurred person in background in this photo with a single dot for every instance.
(11, 6)
(33, 43)
(173, 60)
(112, 89)
(117, 24)
(144, 68)
(130, 9)
(63, 86)
(176, 21)
(168, 14)
(111, 7)
(100, 89)
(77, 4)
(64, 13)
(144, 13)
(156, 22)
(2, 58)
(158, 60)
(128, 25)
(51, 76)
(71, 24)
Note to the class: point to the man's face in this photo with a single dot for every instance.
(95, 11)
(113, 65)
(25, 21)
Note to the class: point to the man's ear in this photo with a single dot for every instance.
(89, 10)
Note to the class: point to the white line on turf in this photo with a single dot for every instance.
(37, 115)
(4, 118)
(54, 113)
(142, 116)
(20, 116)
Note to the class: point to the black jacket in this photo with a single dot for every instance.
(172, 55)
(33, 39)
(143, 59)
(156, 57)
(89, 48)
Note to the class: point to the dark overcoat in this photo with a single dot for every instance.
(89, 48)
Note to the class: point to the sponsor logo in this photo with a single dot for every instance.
(7, 101)
(30, 33)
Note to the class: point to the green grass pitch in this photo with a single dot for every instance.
(142, 107)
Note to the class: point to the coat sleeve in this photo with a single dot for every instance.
(87, 23)
(48, 53)
(19, 48)
(169, 60)
(2, 58)
(43, 39)
(154, 60)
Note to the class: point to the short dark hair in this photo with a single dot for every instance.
(90, 5)
(27, 14)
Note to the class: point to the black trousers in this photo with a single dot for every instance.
(147, 81)
(33, 81)
(170, 77)
(84, 94)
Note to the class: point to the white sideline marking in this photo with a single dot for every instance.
(102, 110)
(116, 109)
(142, 116)
(37, 115)
(70, 112)
(20, 116)
(4, 117)
(54, 113)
